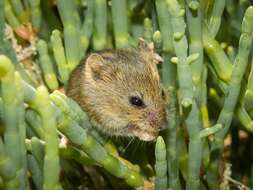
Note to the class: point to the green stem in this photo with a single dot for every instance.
(180, 46)
(87, 27)
(19, 10)
(70, 108)
(88, 144)
(46, 65)
(34, 122)
(191, 110)
(244, 117)
(194, 124)
(21, 129)
(36, 172)
(239, 66)
(231, 53)
(100, 25)
(35, 13)
(172, 142)
(2, 24)
(160, 165)
(42, 105)
(215, 18)
(71, 33)
(248, 102)
(193, 15)
(148, 30)
(7, 169)
(10, 107)
(119, 19)
(220, 61)
(59, 55)
(37, 147)
(210, 131)
(164, 21)
(10, 16)
(157, 39)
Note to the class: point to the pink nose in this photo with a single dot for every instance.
(152, 118)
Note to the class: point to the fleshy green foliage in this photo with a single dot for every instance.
(160, 164)
(46, 140)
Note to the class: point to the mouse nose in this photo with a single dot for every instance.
(157, 120)
(152, 118)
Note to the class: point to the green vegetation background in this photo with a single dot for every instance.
(46, 141)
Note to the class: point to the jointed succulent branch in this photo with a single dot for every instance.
(46, 139)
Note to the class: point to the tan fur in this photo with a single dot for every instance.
(103, 83)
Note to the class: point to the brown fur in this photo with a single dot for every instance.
(103, 83)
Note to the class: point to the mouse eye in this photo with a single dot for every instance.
(136, 101)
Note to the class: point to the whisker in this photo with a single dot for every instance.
(132, 138)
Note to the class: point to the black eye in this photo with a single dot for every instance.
(136, 101)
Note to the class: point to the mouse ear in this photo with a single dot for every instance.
(149, 51)
(145, 47)
(98, 68)
(95, 64)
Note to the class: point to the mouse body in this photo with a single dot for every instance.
(120, 90)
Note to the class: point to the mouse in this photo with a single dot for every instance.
(121, 92)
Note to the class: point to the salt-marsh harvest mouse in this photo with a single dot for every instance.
(120, 90)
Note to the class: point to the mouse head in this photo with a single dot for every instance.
(123, 93)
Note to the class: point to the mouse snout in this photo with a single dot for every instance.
(156, 120)
(152, 118)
